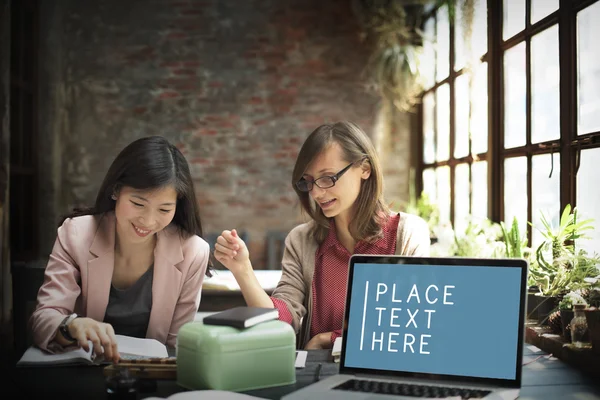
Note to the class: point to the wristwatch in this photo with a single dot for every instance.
(63, 328)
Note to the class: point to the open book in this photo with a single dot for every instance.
(129, 348)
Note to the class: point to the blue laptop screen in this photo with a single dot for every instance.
(452, 320)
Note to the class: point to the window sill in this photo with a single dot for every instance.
(582, 358)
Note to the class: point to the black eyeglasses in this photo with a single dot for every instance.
(323, 182)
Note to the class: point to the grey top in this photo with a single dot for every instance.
(128, 310)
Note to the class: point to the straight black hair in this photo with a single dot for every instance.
(150, 163)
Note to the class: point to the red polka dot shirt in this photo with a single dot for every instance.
(331, 275)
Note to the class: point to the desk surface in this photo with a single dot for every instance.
(544, 378)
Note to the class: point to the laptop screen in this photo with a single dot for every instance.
(451, 317)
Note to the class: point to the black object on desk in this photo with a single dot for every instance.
(121, 386)
(318, 372)
(242, 317)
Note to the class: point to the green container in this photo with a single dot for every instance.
(225, 358)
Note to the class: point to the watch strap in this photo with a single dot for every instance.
(64, 327)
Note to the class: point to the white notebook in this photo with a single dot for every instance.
(129, 348)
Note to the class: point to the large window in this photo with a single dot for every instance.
(455, 115)
(532, 149)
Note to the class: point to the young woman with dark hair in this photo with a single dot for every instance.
(133, 264)
(339, 183)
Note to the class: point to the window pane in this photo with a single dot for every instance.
(480, 193)
(479, 111)
(479, 38)
(514, 17)
(473, 47)
(545, 78)
(588, 61)
(542, 8)
(443, 44)
(461, 101)
(442, 175)
(515, 113)
(429, 186)
(461, 197)
(443, 123)
(460, 48)
(588, 193)
(545, 192)
(427, 67)
(515, 191)
(428, 131)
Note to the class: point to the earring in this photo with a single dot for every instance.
(113, 197)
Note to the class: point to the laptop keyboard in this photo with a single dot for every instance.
(404, 389)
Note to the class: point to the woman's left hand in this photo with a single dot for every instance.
(320, 341)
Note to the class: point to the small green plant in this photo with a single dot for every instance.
(591, 294)
(515, 244)
(557, 267)
(424, 208)
(571, 298)
(480, 239)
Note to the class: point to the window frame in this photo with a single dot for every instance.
(568, 145)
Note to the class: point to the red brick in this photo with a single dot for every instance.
(168, 95)
(176, 35)
(184, 72)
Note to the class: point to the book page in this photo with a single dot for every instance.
(131, 347)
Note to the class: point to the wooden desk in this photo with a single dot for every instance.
(544, 378)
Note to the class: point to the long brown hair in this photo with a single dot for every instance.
(370, 207)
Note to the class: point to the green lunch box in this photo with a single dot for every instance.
(225, 358)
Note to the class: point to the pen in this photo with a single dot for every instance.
(318, 372)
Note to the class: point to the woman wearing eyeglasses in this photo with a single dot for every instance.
(338, 180)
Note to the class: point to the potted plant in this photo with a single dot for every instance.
(394, 30)
(592, 314)
(557, 268)
(565, 306)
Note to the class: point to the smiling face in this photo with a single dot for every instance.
(142, 213)
(336, 201)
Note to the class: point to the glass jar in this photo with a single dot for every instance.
(578, 325)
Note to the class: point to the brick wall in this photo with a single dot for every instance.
(237, 85)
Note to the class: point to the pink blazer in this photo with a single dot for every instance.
(79, 274)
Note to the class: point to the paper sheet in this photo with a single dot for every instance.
(301, 358)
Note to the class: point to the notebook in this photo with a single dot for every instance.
(242, 317)
(424, 327)
(130, 348)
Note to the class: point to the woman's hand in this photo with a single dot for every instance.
(320, 341)
(232, 252)
(100, 334)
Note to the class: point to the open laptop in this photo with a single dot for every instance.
(417, 327)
